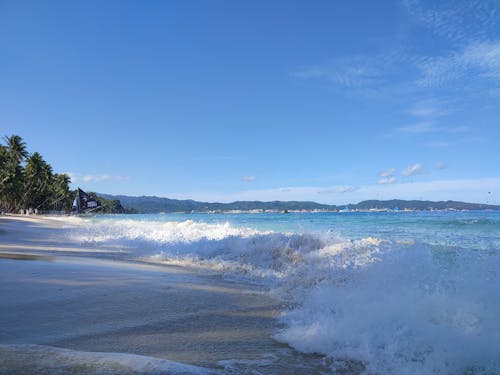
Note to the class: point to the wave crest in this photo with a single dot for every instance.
(400, 308)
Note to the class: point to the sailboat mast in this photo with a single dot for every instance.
(78, 208)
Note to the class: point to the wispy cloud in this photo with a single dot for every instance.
(429, 118)
(471, 52)
(78, 177)
(413, 170)
(454, 142)
(388, 172)
(431, 127)
(249, 178)
(457, 21)
(421, 111)
(478, 60)
(475, 62)
(472, 190)
(387, 180)
(338, 190)
(440, 165)
(431, 108)
(387, 176)
(349, 72)
(420, 127)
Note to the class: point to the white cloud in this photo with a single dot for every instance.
(455, 142)
(429, 113)
(440, 165)
(77, 177)
(348, 72)
(472, 54)
(388, 172)
(478, 60)
(431, 127)
(387, 176)
(387, 180)
(431, 108)
(249, 178)
(458, 21)
(423, 111)
(338, 190)
(469, 190)
(484, 56)
(413, 170)
(421, 127)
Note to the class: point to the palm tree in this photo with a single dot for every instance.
(3, 177)
(28, 180)
(3, 156)
(11, 176)
(61, 195)
(37, 181)
(16, 148)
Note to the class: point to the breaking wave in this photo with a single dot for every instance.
(396, 307)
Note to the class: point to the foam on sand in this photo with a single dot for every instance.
(372, 304)
(102, 305)
(398, 308)
(39, 359)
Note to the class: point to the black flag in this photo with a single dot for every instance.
(84, 203)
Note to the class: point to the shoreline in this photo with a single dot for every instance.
(91, 304)
(58, 294)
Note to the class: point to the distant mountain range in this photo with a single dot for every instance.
(151, 204)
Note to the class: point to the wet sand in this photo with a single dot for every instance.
(58, 294)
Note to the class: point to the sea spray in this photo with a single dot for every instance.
(408, 300)
(408, 311)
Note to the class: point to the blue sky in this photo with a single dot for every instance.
(328, 101)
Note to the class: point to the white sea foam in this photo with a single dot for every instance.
(221, 247)
(399, 308)
(410, 311)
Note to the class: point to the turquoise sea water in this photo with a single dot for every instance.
(400, 292)
(471, 229)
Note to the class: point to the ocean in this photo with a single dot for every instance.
(398, 292)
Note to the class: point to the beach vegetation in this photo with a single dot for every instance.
(110, 206)
(28, 181)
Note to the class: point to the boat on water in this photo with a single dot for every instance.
(84, 203)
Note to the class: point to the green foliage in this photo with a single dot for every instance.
(12, 172)
(38, 181)
(61, 195)
(108, 206)
(27, 180)
(157, 204)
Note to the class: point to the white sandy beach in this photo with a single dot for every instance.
(58, 294)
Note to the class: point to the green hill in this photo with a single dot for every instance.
(151, 204)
